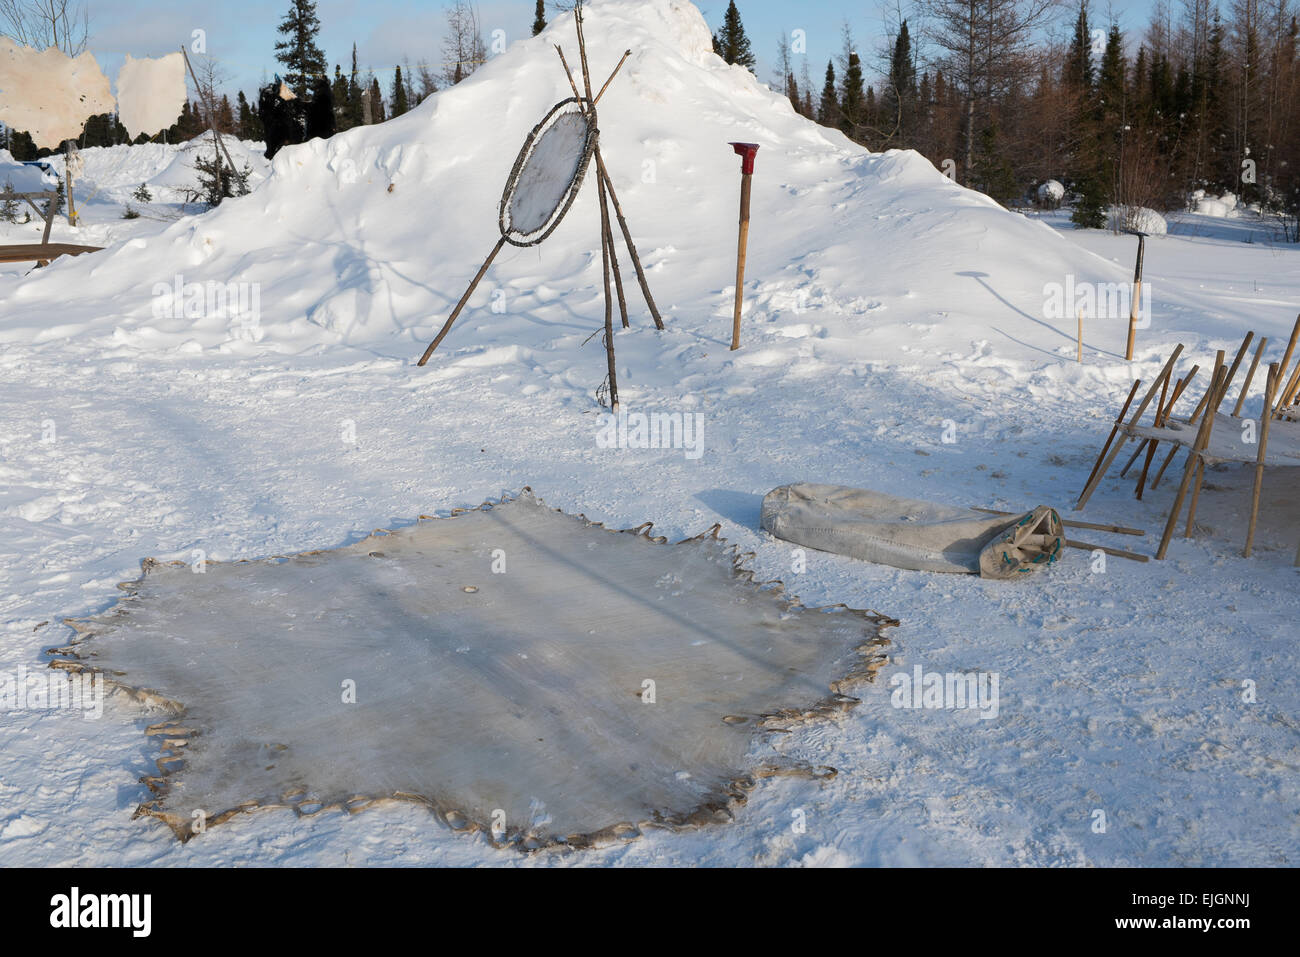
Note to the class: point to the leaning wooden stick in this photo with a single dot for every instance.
(1195, 418)
(614, 198)
(605, 236)
(627, 238)
(1286, 356)
(1192, 456)
(1124, 435)
(1288, 393)
(1160, 404)
(568, 75)
(1119, 420)
(1137, 296)
(1211, 413)
(1117, 529)
(609, 328)
(1250, 375)
(1162, 417)
(609, 241)
(446, 328)
(1270, 387)
(1117, 552)
(626, 54)
(1236, 362)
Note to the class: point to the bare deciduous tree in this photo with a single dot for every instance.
(463, 48)
(40, 24)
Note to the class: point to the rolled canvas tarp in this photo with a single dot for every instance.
(907, 533)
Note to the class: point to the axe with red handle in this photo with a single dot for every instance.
(746, 151)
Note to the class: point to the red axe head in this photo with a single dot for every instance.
(747, 151)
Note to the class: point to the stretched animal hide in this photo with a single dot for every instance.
(517, 670)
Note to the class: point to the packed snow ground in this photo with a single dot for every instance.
(886, 308)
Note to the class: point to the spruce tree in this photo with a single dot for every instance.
(900, 95)
(730, 42)
(539, 18)
(8, 204)
(356, 108)
(302, 58)
(1111, 77)
(249, 128)
(225, 118)
(339, 94)
(1078, 62)
(376, 102)
(828, 112)
(853, 102)
(398, 96)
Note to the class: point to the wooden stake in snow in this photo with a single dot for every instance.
(1286, 358)
(1137, 294)
(746, 151)
(1270, 389)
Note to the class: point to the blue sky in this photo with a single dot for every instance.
(241, 33)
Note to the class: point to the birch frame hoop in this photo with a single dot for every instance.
(548, 172)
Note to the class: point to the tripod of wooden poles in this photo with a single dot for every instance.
(607, 197)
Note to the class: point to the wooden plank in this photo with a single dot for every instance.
(37, 252)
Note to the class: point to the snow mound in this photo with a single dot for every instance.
(1051, 192)
(1140, 218)
(166, 168)
(23, 177)
(369, 238)
(1222, 207)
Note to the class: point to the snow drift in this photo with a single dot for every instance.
(369, 238)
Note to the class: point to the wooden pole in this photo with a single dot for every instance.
(608, 182)
(1117, 529)
(627, 238)
(1288, 393)
(207, 105)
(740, 259)
(1161, 418)
(1137, 296)
(746, 152)
(1178, 393)
(463, 299)
(605, 235)
(1119, 419)
(1236, 362)
(607, 232)
(1160, 404)
(1117, 552)
(1192, 420)
(1124, 437)
(1211, 411)
(1187, 475)
(1250, 375)
(626, 54)
(609, 324)
(1290, 348)
(1270, 387)
(67, 171)
(568, 75)
(49, 218)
